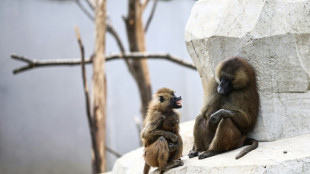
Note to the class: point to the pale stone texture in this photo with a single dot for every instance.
(274, 35)
(269, 157)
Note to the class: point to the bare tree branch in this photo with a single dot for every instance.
(110, 28)
(113, 32)
(112, 151)
(90, 16)
(32, 63)
(90, 5)
(136, 40)
(99, 99)
(120, 44)
(144, 4)
(138, 55)
(151, 16)
(89, 116)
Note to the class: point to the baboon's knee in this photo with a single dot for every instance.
(163, 152)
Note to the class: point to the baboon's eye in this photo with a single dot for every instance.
(161, 99)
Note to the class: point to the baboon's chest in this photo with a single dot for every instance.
(171, 124)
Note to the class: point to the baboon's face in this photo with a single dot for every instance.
(225, 86)
(168, 100)
(231, 75)
(234, 80)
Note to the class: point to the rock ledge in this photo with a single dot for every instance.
(290, 155)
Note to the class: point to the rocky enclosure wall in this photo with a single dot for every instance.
(274, 36)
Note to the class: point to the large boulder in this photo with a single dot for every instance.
(274, 36)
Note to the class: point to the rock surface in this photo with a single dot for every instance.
(285, 156)
(274, 36)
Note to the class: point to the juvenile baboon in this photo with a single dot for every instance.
(160, 136)
(229, 112)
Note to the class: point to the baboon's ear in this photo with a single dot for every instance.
(161, 99)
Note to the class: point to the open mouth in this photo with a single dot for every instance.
(179, 103)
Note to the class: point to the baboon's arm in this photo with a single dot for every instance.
(240, 118)
(151, 130)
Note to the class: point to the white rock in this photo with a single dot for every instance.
(283, 115)
(269, 157)
(274, 35)
(285, 156)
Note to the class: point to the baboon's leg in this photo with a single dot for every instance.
(162, 151)
(172, 164)
(227, 137)
(157, 154)
(193, 153)
(177, 153)
(146, 169)
(202, 136)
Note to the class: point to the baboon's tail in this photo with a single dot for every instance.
(253, 145)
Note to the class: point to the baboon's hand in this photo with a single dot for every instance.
(173, 137)
(216, 117)
(173, 146)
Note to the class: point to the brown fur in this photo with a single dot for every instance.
(160, 136)
(225, 119)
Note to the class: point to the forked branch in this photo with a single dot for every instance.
(144, 4)
(109, 27)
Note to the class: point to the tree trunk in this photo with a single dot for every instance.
(139, 68)
(99, 89)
